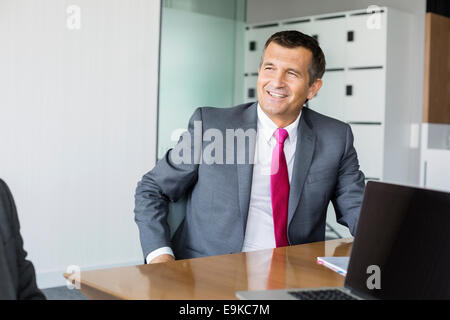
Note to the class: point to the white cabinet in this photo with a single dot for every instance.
(330, 32)
(255, 41)
(251, 89)
(366, 39)
(436, 167)
(364, 95)
(330, 98)
(355, 85)
(304, 26)
(368, 142)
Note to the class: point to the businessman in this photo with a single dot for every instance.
(17, 276)
(267, 190)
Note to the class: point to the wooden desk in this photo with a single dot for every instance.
(219, 277)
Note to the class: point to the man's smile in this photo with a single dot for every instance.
(276, 95)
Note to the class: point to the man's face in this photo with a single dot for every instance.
(283, 81)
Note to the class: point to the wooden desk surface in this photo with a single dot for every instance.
(219, 277)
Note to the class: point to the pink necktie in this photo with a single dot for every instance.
(279, 189)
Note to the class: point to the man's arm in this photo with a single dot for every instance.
(163, 254)
(168, 181)
(28, 289)
(350, 187)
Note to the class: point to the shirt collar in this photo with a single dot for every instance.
(267, 127)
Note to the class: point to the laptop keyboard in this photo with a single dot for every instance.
(330, 294)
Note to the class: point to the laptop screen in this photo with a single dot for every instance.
(402, 244)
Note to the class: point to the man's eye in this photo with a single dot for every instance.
(292, 74)
(269, 68)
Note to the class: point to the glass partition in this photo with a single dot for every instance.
(201, 63)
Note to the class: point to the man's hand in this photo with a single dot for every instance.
(162, 258)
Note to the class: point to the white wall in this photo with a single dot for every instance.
(78, 127)
(259, 11)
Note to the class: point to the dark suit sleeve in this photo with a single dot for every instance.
(168, 181)
(27, 279)
(21, 268)
(350, 187)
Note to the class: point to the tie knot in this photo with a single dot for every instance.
(281, 135)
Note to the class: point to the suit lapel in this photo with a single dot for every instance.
(245, 171)
(304, 151)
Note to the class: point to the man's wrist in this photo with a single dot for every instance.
(158, 252)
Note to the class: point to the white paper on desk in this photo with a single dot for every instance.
(337, 264)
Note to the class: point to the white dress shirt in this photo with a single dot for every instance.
(259, 233)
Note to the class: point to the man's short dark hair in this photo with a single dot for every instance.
(295, 39)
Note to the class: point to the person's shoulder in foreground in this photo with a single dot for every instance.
(17, 275)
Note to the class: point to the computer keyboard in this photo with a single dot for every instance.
(329, 294)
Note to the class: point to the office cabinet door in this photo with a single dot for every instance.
(366, 40)
(256, 39)
(330, 98)
(331, 34)
(364, 95)
(250, 93)
(436, 169)
(305, 26)
(369, 147)
(251, 51)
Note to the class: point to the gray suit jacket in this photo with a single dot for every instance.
(218, 195)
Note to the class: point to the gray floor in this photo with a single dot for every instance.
(63, 293)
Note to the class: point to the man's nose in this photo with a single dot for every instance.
(278, 80)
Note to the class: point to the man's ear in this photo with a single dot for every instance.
(314, 88)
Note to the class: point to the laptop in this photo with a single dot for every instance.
(401, 249)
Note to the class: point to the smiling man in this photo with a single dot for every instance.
(304, 160)
(287, 77)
